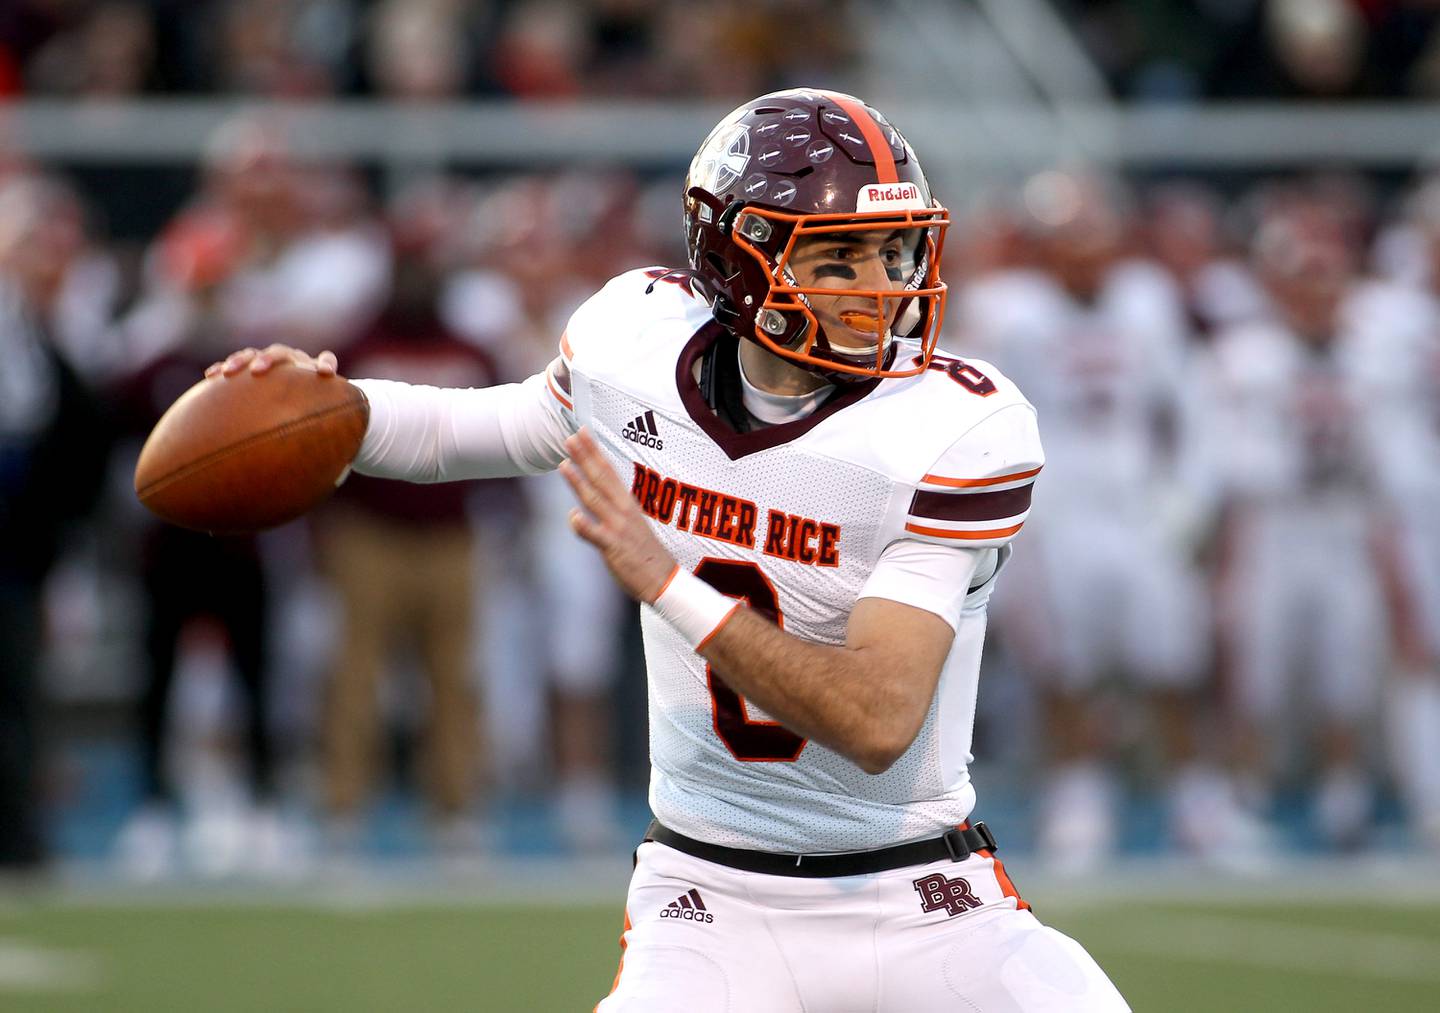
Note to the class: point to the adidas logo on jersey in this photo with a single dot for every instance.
(642, 430)
(688, 907)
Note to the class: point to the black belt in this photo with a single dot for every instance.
(953, 846)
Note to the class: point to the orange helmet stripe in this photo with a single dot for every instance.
(874, 137)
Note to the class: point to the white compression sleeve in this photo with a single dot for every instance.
(442, 434)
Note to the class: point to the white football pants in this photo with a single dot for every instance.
(950, 936)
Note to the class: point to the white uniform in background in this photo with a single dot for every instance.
(1395, 334)
(1302, 598)
(584, 662)
(1305, 449)
(1397, 339)
(1106, 588)
(908, 489)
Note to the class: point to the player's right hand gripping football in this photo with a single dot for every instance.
(259, 362)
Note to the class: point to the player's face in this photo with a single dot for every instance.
(1309, 288)
(880, 260)
(1080, 255)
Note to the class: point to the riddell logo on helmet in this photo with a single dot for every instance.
(884, 196)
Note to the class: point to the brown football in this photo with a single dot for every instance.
(245, 453)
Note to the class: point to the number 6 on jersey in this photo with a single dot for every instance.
(747, 740)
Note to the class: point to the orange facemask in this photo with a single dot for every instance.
(916, 310)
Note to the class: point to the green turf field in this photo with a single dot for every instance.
(182, 955)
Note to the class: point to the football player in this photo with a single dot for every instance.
(1099, 339)
(812, 505)
(1302, 598)
(1401, 359)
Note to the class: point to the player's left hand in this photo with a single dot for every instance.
(609, 519)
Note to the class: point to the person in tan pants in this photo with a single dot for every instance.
(401, 558)
(400, 583)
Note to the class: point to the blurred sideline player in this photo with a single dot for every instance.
(1302, 607)
(401, 558)
(1109, 587)
(526, 249)
(53, 441)
(268, 248)
(784, 436)
(1403, 374)
(1184, 232)
(582, 666)
(208, 599)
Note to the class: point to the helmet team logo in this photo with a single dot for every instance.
(939, 892)
(642, 430)
(688, 907)
(724, 159)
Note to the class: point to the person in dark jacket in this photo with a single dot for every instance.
(52, 454)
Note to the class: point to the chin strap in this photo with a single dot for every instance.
(695, 277)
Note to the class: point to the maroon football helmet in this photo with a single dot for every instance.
(800, 163)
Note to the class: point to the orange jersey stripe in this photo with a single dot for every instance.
(565, 345)
(874, 137)
(971, 483)
(555, 389)
(969, 535)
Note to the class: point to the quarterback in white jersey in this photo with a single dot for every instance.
(800, 519)
(812, 506)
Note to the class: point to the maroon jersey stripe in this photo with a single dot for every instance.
(971, 506)
(560, 370)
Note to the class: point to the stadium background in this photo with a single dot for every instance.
(276, 160)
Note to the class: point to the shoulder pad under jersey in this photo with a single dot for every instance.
(975, 491)
(630, 315)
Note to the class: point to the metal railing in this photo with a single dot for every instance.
(664, 134)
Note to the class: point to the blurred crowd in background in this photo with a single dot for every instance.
(413, 50)
(1188, 50)
(426, 50)
(1225, 612)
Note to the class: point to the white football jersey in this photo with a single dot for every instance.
(793, 518)
(1108, 378)
(1321, 428)
(1395, 336)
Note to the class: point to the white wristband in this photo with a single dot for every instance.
(693, 607)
